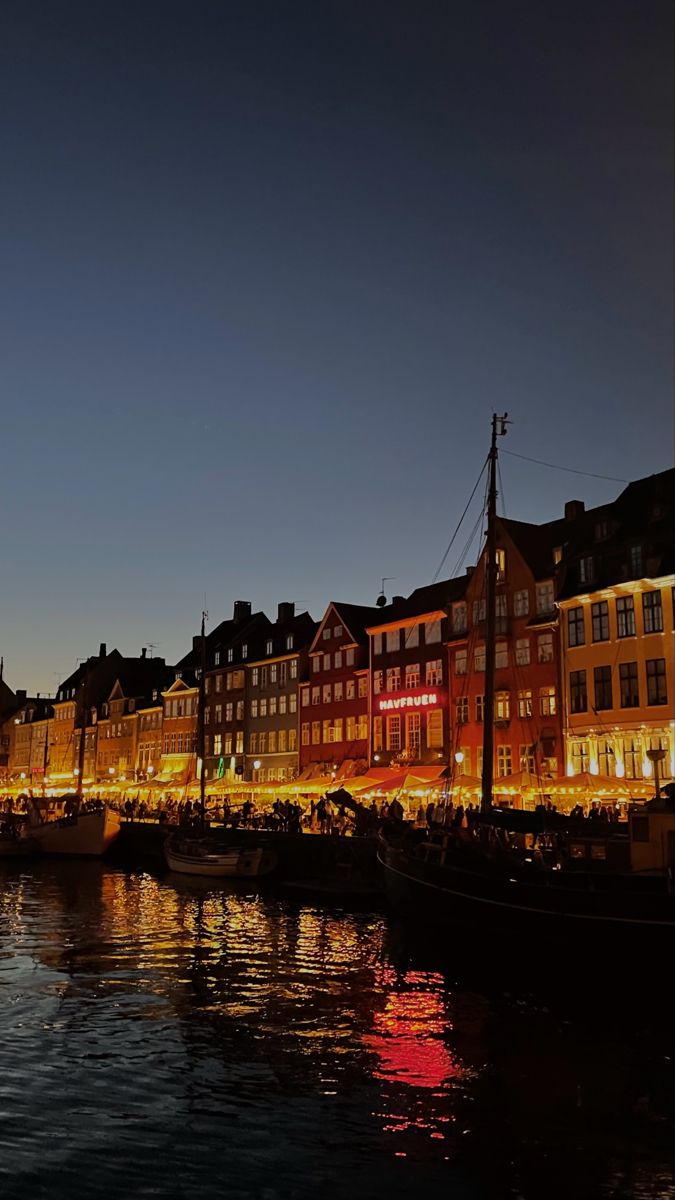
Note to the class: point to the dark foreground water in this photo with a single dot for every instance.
(160, 1038)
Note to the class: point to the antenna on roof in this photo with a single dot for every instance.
(382, 599)
(151, 646)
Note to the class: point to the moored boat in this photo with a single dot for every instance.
(202, 856)
(85, 834)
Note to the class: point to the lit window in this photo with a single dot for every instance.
(316, 664)
(337, 631)
(325, 634)
(327, 693)
(545, 601)
(269, 646)
(377, 643)
(434, 672)
(351, 689)
(547, 701)
(413, 732)
(377, 733)
(244, 650)
(394, 733)
(432, 632)
(412, 637)
(462, 710)
(502, 706)
(326, 662)
(349, 658)
(460, 662)
(304, 734)
(545, 648)
(525, 704)
(289, 641)
(394, 679)
(378, 681)
(393, 640)
(363, 688)
(338, 660)
(503, 761)
(316, 695)
(337, 692)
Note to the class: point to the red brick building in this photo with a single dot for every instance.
(408, 677)
(334, 700)
(527, 673)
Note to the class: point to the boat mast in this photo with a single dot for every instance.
(491, 569)
(83, 737)
(200, 726)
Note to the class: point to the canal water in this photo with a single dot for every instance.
(162, 1038)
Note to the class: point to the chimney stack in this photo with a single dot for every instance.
(574, 509)
(285, 612)
(21, 695)
(102, 650)
(470, 571)
(143, 651)
(397, 599)
(242, 610)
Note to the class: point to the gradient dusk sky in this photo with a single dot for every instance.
(267, 268)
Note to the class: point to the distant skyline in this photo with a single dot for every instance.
(267, 270)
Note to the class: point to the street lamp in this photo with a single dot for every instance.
(257, 764)
(151, 769)
(656, 757)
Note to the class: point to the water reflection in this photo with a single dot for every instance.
(164, 1037)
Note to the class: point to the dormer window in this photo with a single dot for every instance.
(216, 658)
(557, 555)
(289, 642)
(244, 650)
(586, 569)
(230, 655)
(269, 646)
(635, 561)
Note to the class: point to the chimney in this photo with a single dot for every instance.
(397, 599)
(20, 694)
(102, 650)
(470, 571)
(574, 509)
(143, 651)
(285, 612)
(242, 610)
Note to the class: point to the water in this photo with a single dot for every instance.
(168, 1039)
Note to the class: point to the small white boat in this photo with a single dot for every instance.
(87, 834)
(201, 856)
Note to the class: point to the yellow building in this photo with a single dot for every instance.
(617, 621)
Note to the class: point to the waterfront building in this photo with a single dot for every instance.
(79, 698)
(527, 723)
(272, 687)
(149, 743)
(408, 677)
(139, 682)
(229, 647)
(28, 741)
(334, 700)
(179, 731)
(615, 594)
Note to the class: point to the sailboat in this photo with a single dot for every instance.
(199, 852)
(518, 874)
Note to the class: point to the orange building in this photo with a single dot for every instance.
(179, 764)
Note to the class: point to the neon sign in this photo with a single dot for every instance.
(411, 700)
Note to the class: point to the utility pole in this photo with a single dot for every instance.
(498, 430)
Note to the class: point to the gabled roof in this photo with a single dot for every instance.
(536, 543)
(433, 597)
(355, 618)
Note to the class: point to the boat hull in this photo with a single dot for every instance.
(86, 835)
(20, 847)
(229, 863)
(445, 895)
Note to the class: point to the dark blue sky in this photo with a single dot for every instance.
(267, 268)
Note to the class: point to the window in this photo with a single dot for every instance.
(254, 677)
(502, 706)
(635, 562)
(351, 729)
(460, 662)
(412, 675)
(581, 759)
(432, 632)
(316, 695)
(378, 681)
(337, 631)
(350, 688)
(479, 658)
(230, 655)
(217, 743)
(228, 743)
(412, 637)
(525, 704)
(459, 618)
(503, 761)
(327, 693)
(586, 569)
(304, 734)
(337, 729)
(394, 679)
(254, 710)
(462, 709)
(269, 646)
(263, 677)
(480, 708)
(545, 648)
(600, 621)
(576, 635)
(316, 663)
(526, 758)
(578, 696)
(240, 710)
(545, 601)
(292, 703)
(337, 692)
(338, 660)
(602, 685)
(632, 758)
(628, 683)
(253, 743)
(272, 706)
(327, 732)
(305, 697)
(479, 610)
(326, 662)
(394, 733)
(207, 716)
(263, 706)
(652, 612)
(377, 643)
(273, 673)
(413, 732)
(500, 559)
(292, 741)
(434, 672)
(349, 657)
(293, 669)
(218, 717)
(605, 757)
(362, 727)
(216, 658)
(316, 733)
(273, 741)
(325, 633)
(363, 688)
(521, 603)
(289, 641)
(501, 655)
(625, 617)
(393, 639)
(547, 701)
(377, 733)
(656, 681)
(522, 652)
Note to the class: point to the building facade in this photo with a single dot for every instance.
(334, 700)
(272, 697)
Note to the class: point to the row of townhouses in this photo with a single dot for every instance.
(584, 673)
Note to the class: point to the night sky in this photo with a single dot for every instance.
(267, 268)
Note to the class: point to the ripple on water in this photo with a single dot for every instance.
(164, 1042)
